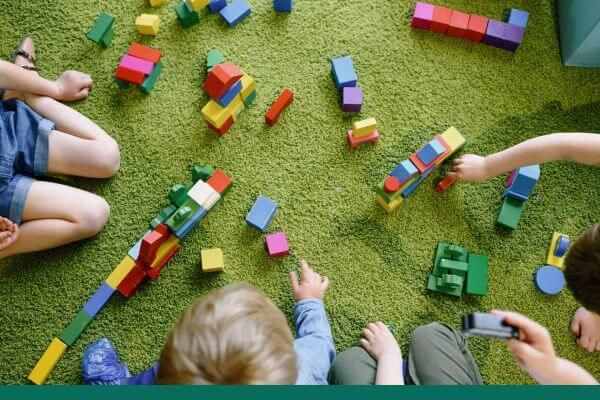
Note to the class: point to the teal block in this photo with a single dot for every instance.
(150, 80)
(250, 99)
(180, 217)
(510, 212)
(186, 14)
(102, 26)
(178, 194)
(214, 58)
(107, 39)
(72, 332)
(202, 173)
(163, 216)
(121, 84)
(579, 22)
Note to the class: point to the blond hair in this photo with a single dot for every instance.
(233, 335)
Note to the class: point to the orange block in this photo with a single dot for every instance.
(441, 19)
(221, 78)
(129, 75)
(458, 24)
(282, 102)
(476, 28)
(145, 52)
(219, 181)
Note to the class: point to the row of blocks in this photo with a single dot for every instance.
(233, 12)
(140, 66)
(259, 217)
(518, 188)
(346, 82)
(505, 35)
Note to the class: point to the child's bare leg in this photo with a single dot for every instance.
(55, 215)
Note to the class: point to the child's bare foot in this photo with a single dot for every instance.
(586, 326)
(24, 56)
(9, 232)
(379, 342)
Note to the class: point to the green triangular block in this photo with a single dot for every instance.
(214, 58)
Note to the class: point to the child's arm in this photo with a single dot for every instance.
(71, 85)
(9, 232)
(535, 354)
(380, 343)
(583, 148)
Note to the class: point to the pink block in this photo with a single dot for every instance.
(511, 177)
(277, 245)
(137, 64)
(355, 142)
(422, 16)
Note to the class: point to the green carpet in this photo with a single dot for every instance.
(416, 84)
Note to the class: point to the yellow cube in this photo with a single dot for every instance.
(198, 5)
(120, 272)
(248, 86)
(155, 3)
(389, 207)
(364, 128)
(49, 359)
(212, 260)
(147, 24)
(454, 139)
(165, 249)
(552, 259)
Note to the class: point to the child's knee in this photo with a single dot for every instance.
(93, 216)
(109, 159)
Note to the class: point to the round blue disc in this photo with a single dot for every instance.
(549, 280)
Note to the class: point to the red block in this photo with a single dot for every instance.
(458, 24)
(153, 273)
(132, 282)
(219, 181)
(129, 75)
(151, 243)
(221, 78)
(145, 52)
(422, 167)
(391, 184)
(444, 184)
(476, 28)
(224, 128)
(441, 19)
(282, 102)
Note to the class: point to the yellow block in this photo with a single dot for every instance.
(198, 5)
(391, 206)
(120, 272)
(248, 86)
(49, 359)
(155, 3)
(164, 249)
(147, 24)
(212, 260)
(454, 139)
(217, 115)
(552, 259)
(364, 128)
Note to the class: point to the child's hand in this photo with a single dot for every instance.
(379, 342)
(470, 168)
(312, 285)
(73, 85)
(586, 326)
(9, 232)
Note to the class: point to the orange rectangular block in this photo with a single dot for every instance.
(476, 28)
(145, 52)
(129, 75)
(441, 19)
(282, 102)
(458, 24)
(224, 128)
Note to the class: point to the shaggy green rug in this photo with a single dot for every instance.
(416, 84)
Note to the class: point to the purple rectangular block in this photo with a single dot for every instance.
(351, 99)
(513, 37)
(494, 35)
(422, 16)
(137, 64)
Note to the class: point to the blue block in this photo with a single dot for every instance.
(230, 94)
(134, 252)
(523, 182)
(235, 12)
(343, 72)
(98, 300)
(413, 186)
(217, 5)
(549, 280)
(494, 34)
(518, 17)
(261, 213)
(430, 152)
(191, 223)
(562, 244)
(283, 5)
(404, 171)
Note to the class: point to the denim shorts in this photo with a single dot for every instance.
(24, 153)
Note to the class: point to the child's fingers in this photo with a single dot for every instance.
(325, 283)
(576, 327)
(368, 334)
(364, 343)
(452, 175)
(305, 269)
(5, 235)
(294, 281)
(382, 326)
(373, 328)
(83, 93)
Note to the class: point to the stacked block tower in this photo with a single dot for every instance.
(362, 132)
(189, 204)
(231, 91)
(457, 271)
(140, 66)
(505, 35)
(409, 174)
(102, 32)
(344, 77)
(518, 188)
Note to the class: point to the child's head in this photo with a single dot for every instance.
(582, 269)
(233, 335)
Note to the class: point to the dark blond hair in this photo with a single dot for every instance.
(582, 269)
(233, 335)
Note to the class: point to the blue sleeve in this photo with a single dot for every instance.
(314, 344)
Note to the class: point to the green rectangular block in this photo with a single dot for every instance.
(250, 99)
(163, 216)
(477, 277)
(510, 212)
(186, 14)
(150, 80)
(101, 28)
(72, 332)
(446, 266)
(180, 217)
(433, 284)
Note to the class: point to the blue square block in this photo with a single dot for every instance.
(191, 223)
(343, 72)
(430, 152)
(283, 5)
(235, 12)
(404, 171)
(217, 5)
(261, 213)
(230, 94)
(513, 36)
(415, 185)
(523, 182)
(134, 252)
(98, 300)
(494, 35)
(518, 17)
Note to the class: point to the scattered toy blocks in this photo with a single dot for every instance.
(351, 99)
(343, 72)
(354, 142)
(262, 213)
(365, 127)
(477, 28)
(282, 102)
(98, 300)
(441, 19)
(459, 24)
(141, 66)
(147, 24)
(49, 359)
(102, 32)
(523, 182)
(510, 212)
(235, 12)
(186, 14)
(72, 332)
(120, 272)
(217, 5)
(549, 280)
(558, 248)
(423, 15)
(221, 78)
(518, 17)
(212, 260)
(277, 244)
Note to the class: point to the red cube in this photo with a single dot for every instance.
(219, 181)
(221, 78)
(458, 24)
(476, 28)
(441, 19)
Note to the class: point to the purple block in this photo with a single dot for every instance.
(494, 35)
(422, 16)
(513, 37)
(351, 99)
(137, 64)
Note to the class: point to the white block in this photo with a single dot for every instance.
(204, 194)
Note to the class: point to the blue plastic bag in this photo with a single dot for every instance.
(101, 366)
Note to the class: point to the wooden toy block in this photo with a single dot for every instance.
(147, 24)
(389, 207)
(459, 23)
(230, 94)
(523, 182)
(494, 35)
(134, 252)
(559, 242)
(217, 5)
(212, 260)
(179, 217)
(453, 138)
(248, 86)
(282, 102)
(448, 285)
(154, 3)
(224, 128)
(352, 99)
(277, 244)
(136, 64)
(150, 81)
(202, 173)
(178, 195)
(98, 300)
(248, 100)
(107, 39)
(214, 58)
(549, 280)
(391, 184)
(283, 5)
(132, 282)
(220, 181)
(405, 171)
(186, 14)
(262, 213)
(388, 197)
(235, 12)
(154, 272)
(510, 212)
(518, 17)
(165, 252)
(102, 26)
(129, 75)
(75, 328)
(477, 277)
(409, 190)
(476, 28)
(434, 148)
(190, 223)
(120, 272)
(221, 78)
(145, 53)
(46, 364)
(354, 142)
(513, 36)
(365, 127)
(198, 5)
(441, 19)
(214, 114)
(151, 243)
(451, 267)
(204, 194)
(343, 72)
(444, 184)
(422, 16)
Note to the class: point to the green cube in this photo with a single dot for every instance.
(150, 80)
(72, 332)
(202, 173)
(510, 212)
(248, 100)
(101, 28)
(477, 277)
(186, 14)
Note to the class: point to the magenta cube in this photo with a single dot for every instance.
(351, 99)
(137, 64)
(277, 245)
(423, 15)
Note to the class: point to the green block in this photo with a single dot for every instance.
(580, 32)
(181, 216)
(178, 195)
(433, 284)
(186, 14)
(107, 38)
(150, 80)
(446, 266)
(121, 84)
(163, 216)
(457, 253)
(101, 28)
(450, 280)
(250, 99)
(510, 212)
(202, 173)
(213, 59)
(72, 332)
(477, 277)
